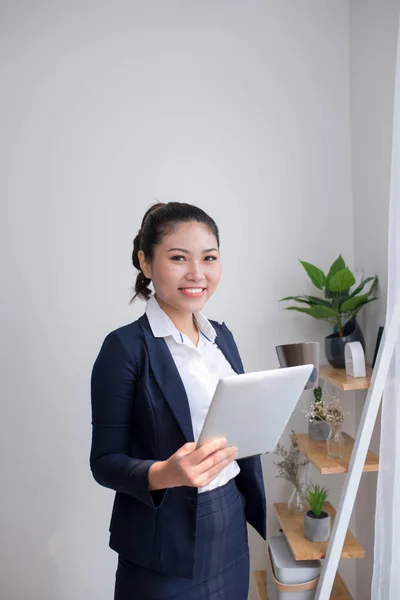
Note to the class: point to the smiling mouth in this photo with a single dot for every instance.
(194, 291)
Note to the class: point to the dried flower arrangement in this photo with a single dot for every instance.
(315, 411)
(292, 463)
(321, 409)
(335, 412)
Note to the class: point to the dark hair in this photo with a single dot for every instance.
(160, 220)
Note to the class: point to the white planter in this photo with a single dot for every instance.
(287, 578)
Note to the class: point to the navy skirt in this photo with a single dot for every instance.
(221, 557)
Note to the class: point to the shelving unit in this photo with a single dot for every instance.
(292, 524)
(315, 451)
(339, 590)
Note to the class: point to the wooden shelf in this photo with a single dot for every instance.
(293, 527)
(315, 451)
(339, 590)
(260, 578)
(340, 379)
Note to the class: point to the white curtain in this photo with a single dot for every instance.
(386, 576)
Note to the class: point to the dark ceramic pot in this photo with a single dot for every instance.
(334, 344)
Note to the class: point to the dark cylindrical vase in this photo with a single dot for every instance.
(334, 344)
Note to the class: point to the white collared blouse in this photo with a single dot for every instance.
(200, 369)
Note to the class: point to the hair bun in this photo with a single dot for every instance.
(136, 248)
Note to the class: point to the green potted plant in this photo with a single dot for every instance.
(290, 467)
(339, 306)
(318, 426)
(317, 522)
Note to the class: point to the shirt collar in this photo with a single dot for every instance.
(162, 326)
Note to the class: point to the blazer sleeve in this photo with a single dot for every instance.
(113, 383)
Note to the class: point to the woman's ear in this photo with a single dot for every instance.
(144, 265)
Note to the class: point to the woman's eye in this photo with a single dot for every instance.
(177, 257)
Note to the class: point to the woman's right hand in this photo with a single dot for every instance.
(192, 467)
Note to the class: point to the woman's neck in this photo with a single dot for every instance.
(183, 321)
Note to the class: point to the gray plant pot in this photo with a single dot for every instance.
(318, 430)
(317, 529)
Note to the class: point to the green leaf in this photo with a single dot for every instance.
(374, 286)
(342, 280)
(296, 298)
(318, 312)
(338, 300)
(355, 311)
(319, 301)
(316, 275)
(354, 303)
(362, 285)
(310, 300)
(338, 265)
(316, 497)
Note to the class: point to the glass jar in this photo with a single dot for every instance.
(296, 501)
(335, 441)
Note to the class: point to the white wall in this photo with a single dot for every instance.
(239, 107)
(373, 42)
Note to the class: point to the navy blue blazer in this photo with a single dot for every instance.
(140, 415)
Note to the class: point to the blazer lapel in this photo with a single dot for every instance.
(168, 378)
(226, 349)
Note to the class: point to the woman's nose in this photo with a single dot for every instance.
(195, 272)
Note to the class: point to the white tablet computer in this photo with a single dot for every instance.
(252, 410)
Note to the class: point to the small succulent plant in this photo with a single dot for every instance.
(316, 497)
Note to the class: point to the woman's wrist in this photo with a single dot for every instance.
(157, 475)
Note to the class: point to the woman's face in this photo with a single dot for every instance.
(186, 267)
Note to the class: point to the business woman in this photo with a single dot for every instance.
(179, 517)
